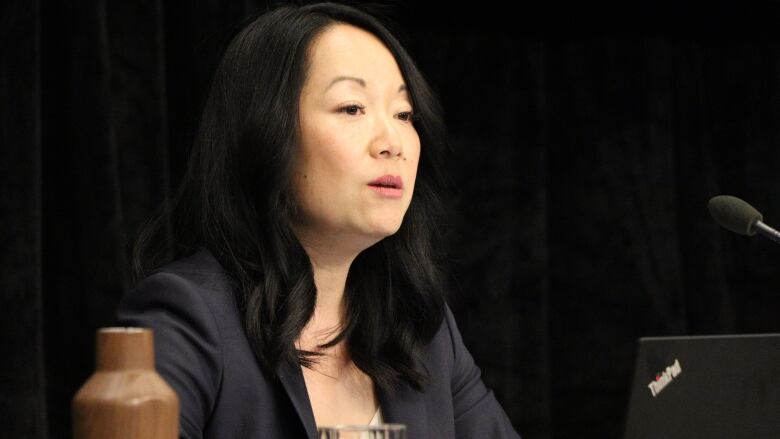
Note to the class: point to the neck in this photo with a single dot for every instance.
(330, 271)
(331, 257)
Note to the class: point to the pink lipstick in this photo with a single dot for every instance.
(390, 186)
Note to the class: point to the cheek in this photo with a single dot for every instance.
(333, 168)
(413, 160)
(328, 161)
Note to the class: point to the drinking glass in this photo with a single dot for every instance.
(382, 431)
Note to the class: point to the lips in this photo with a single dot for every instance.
(388, 186)
(389, 181)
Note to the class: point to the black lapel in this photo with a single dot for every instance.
(291, 377)
(406, 406)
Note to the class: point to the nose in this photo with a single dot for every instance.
(387, 141)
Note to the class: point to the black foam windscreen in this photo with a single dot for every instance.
(734, 214)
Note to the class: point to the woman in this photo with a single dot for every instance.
(304, 289)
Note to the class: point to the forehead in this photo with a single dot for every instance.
(348, 50)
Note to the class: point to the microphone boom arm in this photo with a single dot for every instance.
(766, 231)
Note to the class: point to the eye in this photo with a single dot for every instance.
(351, 108)
(409, 116)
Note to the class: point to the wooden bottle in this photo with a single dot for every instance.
(125, 398)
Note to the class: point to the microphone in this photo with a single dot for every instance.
(740, 217)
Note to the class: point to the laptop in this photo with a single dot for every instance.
(708, 387)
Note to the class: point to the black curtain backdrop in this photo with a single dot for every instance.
(586, 143)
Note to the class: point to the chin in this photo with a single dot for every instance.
(387, 229)
(384, 233)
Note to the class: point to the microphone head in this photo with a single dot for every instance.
(734, 214)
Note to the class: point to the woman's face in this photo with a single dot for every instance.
(357, 162)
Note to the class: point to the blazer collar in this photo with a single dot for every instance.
(291, 377)
(405, 406)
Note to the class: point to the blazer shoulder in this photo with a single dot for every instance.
(199, 274)
(201, 269)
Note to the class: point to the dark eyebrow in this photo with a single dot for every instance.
(360, 81)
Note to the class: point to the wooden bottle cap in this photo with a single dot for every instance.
(124, 348)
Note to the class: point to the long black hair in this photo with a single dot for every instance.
(236, 201)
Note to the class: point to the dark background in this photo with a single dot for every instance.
(586, 142)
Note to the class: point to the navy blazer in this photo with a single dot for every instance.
(202, 352)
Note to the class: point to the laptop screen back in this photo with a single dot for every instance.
(706, 387)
